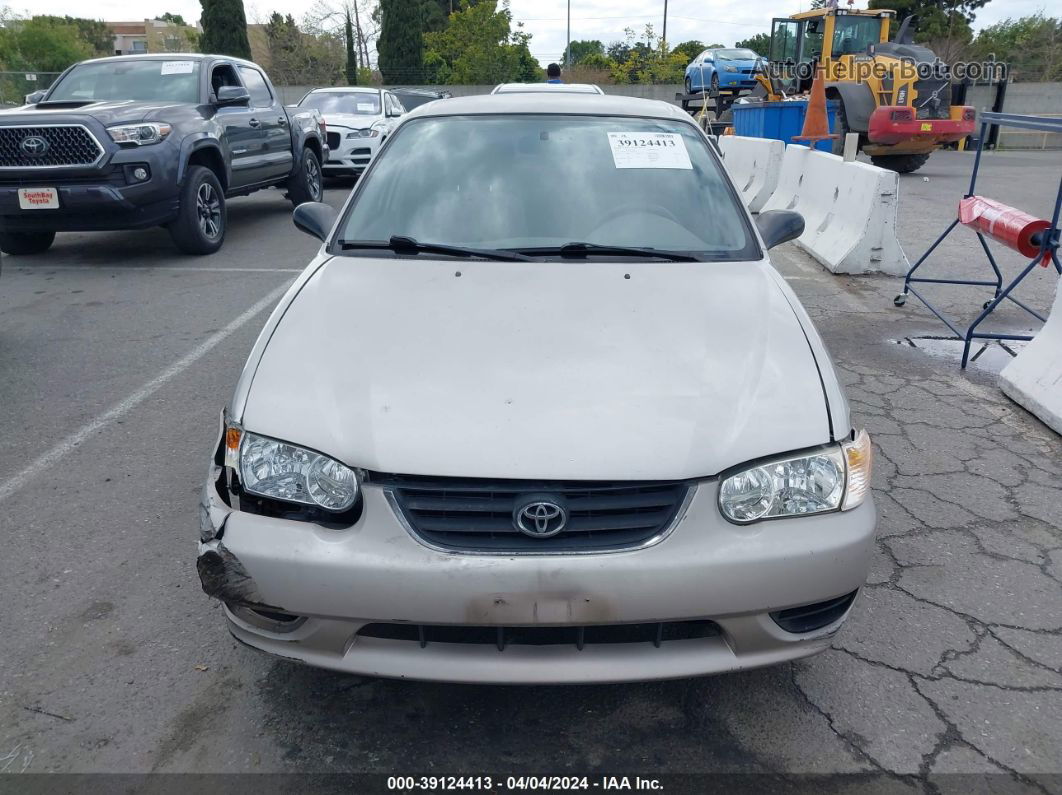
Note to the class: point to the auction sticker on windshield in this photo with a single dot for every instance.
(176, 67)
(649, 150)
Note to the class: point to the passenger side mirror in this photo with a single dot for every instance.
(779, 226)
(232, 95)
(35, 97)
(315, 218)
(393, 112)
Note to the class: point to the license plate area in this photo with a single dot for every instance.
(38, 198)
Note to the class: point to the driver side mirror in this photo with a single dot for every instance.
(35, 97)
(779, 226)
(393, 113)
(316, 219)
(232, 95)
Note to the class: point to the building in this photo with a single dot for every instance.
(153, 35)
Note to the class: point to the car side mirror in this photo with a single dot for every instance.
(392, 113)
(779, 226)
(232, 95)
(316, 219)
(35, 97)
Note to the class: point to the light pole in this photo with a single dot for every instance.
(568, 48)
(663, 37)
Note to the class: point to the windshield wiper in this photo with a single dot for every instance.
(407, 245)
(577, 249)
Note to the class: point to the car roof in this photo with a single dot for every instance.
(534, 88)
(346, 90)
(555, 102)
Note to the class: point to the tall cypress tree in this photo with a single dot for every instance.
(400, 46)
(224, 28)
(352, 55)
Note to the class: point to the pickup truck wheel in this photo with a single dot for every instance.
(200, 224)
(25, 242)
(305, 184)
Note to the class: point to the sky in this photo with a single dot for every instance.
(709, 21)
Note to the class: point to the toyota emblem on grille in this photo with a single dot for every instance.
(34, 145)
(540, 517)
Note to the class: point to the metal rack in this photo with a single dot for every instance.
(1049, 243)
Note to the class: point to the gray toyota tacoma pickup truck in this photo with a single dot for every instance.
(151, 140)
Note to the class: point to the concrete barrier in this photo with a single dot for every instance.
(1033, 378)
(849, 211)
(790, 178)
(754, 165)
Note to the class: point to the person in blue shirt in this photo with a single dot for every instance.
(553, 74)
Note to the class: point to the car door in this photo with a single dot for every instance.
(271, 120)
(244, 137)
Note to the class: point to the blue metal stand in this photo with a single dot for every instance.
(1049, 243)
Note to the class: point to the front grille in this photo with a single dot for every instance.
(333, 140)
(656, 633)
(928, 106)
(68, 145)
(476, 515)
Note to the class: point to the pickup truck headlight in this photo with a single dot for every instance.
(282, 471)
(366, 133)
(139, 134)
(836, 478)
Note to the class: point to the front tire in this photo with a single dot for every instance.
(201, 219)
(901, 164)
(306, 184)
(25, 242)
(841, 131)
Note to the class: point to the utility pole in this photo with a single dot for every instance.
(663, 36)
(568, 49)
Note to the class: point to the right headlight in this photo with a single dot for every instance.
(836, 478)
(282, 471)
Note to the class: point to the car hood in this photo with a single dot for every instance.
(539, 370)
(115, 112)
(350, 120)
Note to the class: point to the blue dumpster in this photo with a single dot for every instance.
(781, 121)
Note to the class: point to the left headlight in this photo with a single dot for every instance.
(836, 478)
(731, 68)
(140, 134)
(282, 471)
(369, 132)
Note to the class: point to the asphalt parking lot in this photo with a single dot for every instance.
(117, 353)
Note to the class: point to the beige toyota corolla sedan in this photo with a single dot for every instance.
(539, 410)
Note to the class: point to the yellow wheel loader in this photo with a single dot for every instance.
(895, 94)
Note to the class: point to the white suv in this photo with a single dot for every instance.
(358, 120)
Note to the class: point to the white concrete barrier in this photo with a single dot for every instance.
(790, 178)
(1033, 378)
(849, 211)
(754, 165)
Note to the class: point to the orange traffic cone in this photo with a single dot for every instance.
(816, 122)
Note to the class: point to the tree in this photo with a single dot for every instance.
(224, 28)
(93, 32)
(650, 61)
(759, 44)
(689, 49)
(401, 45)
(173, 19)
(943, 25)
(352, 55)
(1030, 46)
(578, 50)
(47, 44)
(479, 46)
(299, 58)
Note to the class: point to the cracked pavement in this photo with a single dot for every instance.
(113, 660)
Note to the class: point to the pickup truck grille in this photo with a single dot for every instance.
(477, 515)
(48, 146)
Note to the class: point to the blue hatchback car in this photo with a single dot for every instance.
(722, 68)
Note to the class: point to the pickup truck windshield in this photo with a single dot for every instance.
(360, 103)
(537, 182)
(150, 80)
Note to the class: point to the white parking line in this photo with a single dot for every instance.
(70, 443)
(27, 269)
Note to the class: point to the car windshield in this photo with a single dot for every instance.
(538, 181)
(736, 55)
(358, 103)
(150, 80)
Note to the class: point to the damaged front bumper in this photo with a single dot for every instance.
(371, 599)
